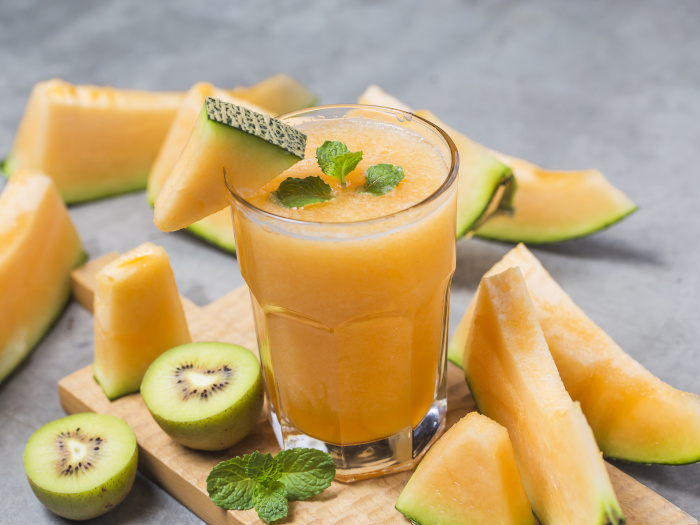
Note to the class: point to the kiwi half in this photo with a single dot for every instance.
(83, 465)
(206, 396)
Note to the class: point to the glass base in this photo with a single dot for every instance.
(399, 452)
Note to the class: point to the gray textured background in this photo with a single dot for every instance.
(612, 85)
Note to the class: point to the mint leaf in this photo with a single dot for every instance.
(297, 193)
(229, 485)
(382, 178)
(266, 482)
(305, 472)
(336, 160)
(263, 468)
(270, 502)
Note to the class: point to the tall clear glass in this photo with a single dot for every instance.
(351, 317)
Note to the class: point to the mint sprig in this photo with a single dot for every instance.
(297, 193)
(336, 160)
(380, 179)
(267, 482)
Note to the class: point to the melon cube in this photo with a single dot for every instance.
(138, 316)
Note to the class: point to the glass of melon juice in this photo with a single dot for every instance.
(351, 296)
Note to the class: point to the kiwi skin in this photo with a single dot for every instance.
(93, 502)
(222, 430)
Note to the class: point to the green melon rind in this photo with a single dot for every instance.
(259, 125)
(93, 192)
(417, 509)
(6, 166)
(43, 327)
(474, 200)
(455, 348)
(214, 236)
(514, 235)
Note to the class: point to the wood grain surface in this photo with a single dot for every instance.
(183, 472)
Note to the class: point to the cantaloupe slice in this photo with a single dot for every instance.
(39, 246)
(514, 380)
(553, 206)
(634, 415)
(485, 184)
(92, 141)
(138, 315)
(252, 148)
(548, 206)
(274, 95)
(181, 129)
(468, 477)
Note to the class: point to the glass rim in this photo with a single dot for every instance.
(446, 184)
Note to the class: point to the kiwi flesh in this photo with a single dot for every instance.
(82, 466)
(206, 396)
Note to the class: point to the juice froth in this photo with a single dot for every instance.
(381, 143)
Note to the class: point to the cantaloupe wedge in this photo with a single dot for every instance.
(39, 246)
(181, 129)
(548, 206)
(92, 141)
(485, 184)
(514, 381)
(468, 477)
(281, 92)
(634, 415)
(250, 147)
(553, 206)
(138, 315)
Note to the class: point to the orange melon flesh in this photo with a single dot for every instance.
(552, 206)
(514, 381)
(92, 141)
(39, 246)
(252, 148)
(468, 477)
(485, 184)
(138, 316)
(634, 415)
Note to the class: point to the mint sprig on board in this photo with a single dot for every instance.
(297, 193)
(336, 160)
(267, 482)
(380, 179)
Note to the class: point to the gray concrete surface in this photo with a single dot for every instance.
(612, 85)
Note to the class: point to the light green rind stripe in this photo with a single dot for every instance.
(262, 126)
(220, 239)
(514, 233)
(471, 210)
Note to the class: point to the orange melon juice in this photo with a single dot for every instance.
(351, 296)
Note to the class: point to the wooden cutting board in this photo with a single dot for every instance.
(183, 472)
